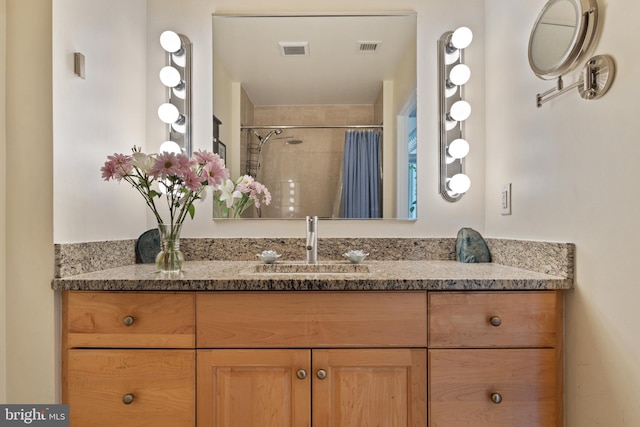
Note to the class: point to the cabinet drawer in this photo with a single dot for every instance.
(161, 384)
(133, 320)
(311, 319)
(462, 383)
(494, 319)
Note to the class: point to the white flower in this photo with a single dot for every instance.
(142, 161)
(228, 193)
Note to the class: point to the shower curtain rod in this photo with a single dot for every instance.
(314, 127)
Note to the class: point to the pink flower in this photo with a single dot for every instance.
(167, 164)
(185, 165)
(116, 167)
(256, 190)
(192, 180)
(214, 172)
(204, 157)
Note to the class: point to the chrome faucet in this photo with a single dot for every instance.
(312, 240)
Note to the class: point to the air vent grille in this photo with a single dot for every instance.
(294, 48)
(368, 46)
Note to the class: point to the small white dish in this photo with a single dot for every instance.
(268, 257)
(355, 257)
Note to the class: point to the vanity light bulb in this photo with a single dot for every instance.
(170, 147)
(461, 38)
(170, 41)
(170, 77)
(458, 148)
(180, 91)
(180, 126)
(459, 183)
(451, 56)
(180, 59)
(460, 110)
(168, 113)
(460, 74)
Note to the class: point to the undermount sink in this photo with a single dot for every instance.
(327, 268)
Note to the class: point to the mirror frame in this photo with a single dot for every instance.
(586, 25)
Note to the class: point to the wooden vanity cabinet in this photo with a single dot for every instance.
(312, 359)
(321, 359)
(495, 359)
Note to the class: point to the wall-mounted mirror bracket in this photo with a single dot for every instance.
(595, 80)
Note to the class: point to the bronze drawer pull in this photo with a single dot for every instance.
(301, 374)
(321, 374)
(496, 398)
(128, 320)
(495, 321)
(127, 399)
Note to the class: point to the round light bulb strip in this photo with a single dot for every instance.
(453, 74)
(176, 77)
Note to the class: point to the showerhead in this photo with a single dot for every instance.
(263, 139)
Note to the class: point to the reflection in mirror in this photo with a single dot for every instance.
(561, 35)
(321, 110)
(554, 34)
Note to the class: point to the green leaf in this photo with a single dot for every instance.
(192, 210)
(154, 193)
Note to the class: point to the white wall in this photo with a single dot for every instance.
(97, 116)
(573, 165)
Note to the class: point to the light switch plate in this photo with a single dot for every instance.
(505, 200)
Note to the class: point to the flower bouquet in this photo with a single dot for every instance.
(181, 179)
(233, 198)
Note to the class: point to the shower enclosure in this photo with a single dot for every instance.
(300, 165)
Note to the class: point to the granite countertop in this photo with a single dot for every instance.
(382, 275)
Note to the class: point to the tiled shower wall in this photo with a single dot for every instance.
(304, 178)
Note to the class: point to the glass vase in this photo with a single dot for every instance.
(169, 259)
(223, 212)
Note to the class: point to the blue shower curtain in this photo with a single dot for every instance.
(361, 175)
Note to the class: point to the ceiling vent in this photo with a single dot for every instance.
(294, 48)
(368, 46)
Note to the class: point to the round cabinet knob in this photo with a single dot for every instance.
(495, 321)
(128, 398)
(496, 398)
(322, 374)
(301, 374)
(128, 320)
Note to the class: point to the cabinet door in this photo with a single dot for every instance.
(493, 388)
(369, 387)
(254, 388)
(137, 388)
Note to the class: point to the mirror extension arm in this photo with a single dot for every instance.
(595, 80)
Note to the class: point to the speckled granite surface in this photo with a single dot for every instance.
(383, 275)
(395, 264)
(80, 258)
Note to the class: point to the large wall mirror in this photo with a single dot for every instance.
(321, 110)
